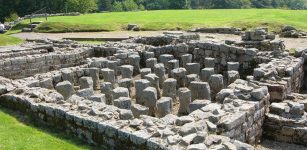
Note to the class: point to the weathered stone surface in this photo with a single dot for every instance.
(85, 93)
(164, 106)
(108, 75)
(94, 73)
(150, 98)
(140, 85)
(170, 88)
(200, 90)
(86, 82)
(65, 88)
(184, 95)
(139, 110)
(122, 102)
(197, 104)
(107, 88)
(193, 68)
(206, 74)
(126, 71)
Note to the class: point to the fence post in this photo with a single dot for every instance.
(46, 13)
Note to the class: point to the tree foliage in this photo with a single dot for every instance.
(82, 6)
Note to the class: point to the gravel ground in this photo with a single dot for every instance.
(289, 42)
(273, 145)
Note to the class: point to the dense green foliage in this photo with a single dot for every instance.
(176, 19)
(23, 7)
(15, 133)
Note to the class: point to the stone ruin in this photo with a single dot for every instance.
(291, 32)
(166, 92)
(224, 30)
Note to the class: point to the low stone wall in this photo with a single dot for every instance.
(245, 122)
(112, 128)
(25, 51)
(260, 39)
(105, 134)
(236, 31)
(25, 66)
(222, 54)
(167, 39)
(286, 122)
(281, 76)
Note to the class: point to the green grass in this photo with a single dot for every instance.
(17, 28)
(176, 19)
(6, 40)
(16, 134)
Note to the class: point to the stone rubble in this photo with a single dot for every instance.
(165, 92)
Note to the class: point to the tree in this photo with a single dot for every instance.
(13, 16)
(130, 5)
(141, 7)
(296, 4)
(261, 3)
(82, 6)
(157, 4)
(201, 4)
(117, 6)
(105, 5)
(177, 4)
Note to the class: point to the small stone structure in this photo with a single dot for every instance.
(166, 92)
(291, 32)
(225, 30)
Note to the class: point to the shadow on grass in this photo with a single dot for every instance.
(28, 121)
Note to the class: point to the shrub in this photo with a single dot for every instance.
(13, 16)
(117, 6)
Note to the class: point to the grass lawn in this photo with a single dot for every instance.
(6, 40)
(15, 133)
(176, 19)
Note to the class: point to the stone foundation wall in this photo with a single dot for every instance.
(245, 124)
(222, 54)
(285, 130)
(286, 121)
(25, 66)
(107, 126)
(167, 39)
(236, 31)
(176, 50)
(281, 76)
(104, 134)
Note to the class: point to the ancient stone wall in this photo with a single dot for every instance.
(108, 134)
(221, 54)
(286, 121)
(176, 96)
(111, 127)
(24, 66)
(167, 39)
(281, 76)
(236, 31)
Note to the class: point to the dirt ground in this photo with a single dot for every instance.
(289, 42)
(273, 145)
